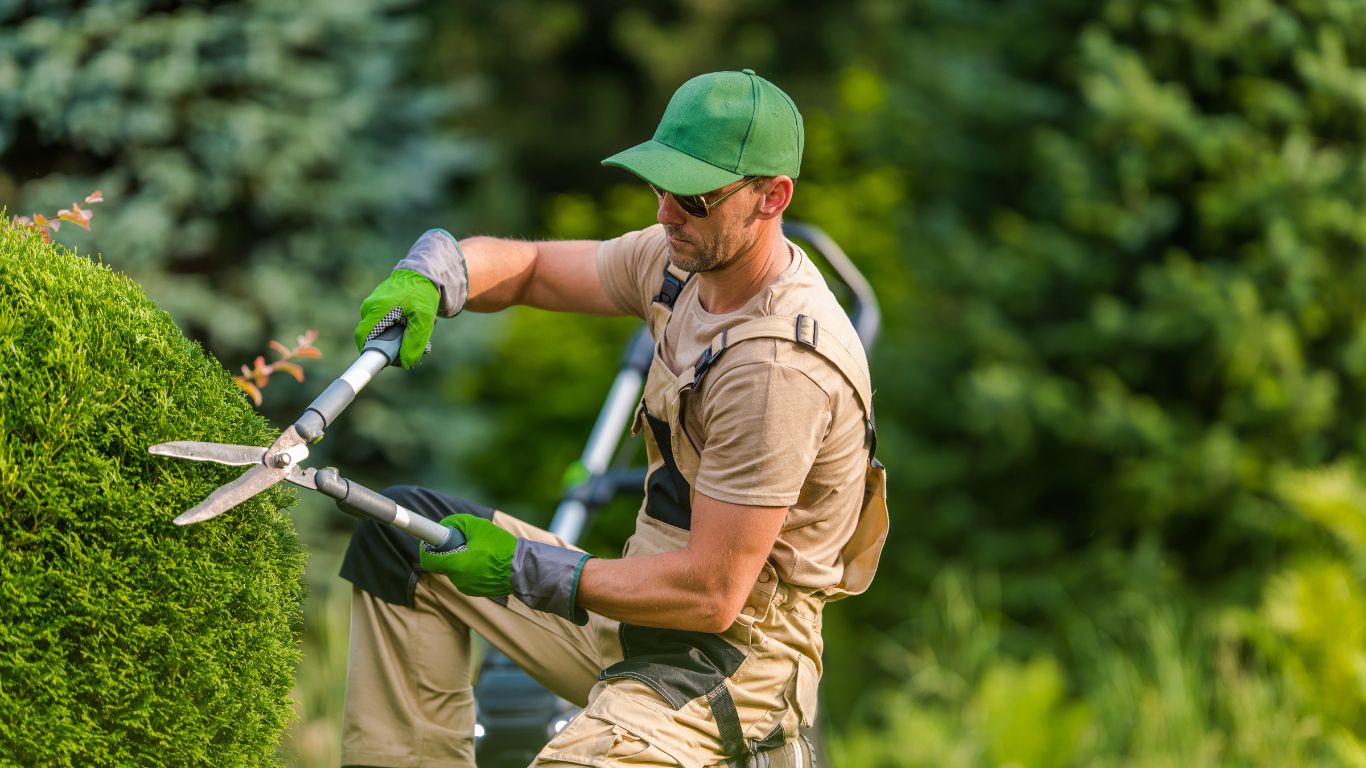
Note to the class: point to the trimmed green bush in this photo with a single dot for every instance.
(125, 640)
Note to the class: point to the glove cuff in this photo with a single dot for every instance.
(546, 578)
(437, 256)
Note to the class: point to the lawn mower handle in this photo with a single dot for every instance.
(865, 313)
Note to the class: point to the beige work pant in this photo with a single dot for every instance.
(409, 700)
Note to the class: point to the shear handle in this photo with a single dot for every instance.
(359, 501)
(377, 354)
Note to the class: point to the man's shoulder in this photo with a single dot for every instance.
(799, 314)
(783, 357)
(631, 267)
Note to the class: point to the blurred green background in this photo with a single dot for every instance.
(1117, 244)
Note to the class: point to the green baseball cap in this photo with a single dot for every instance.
(718, 129)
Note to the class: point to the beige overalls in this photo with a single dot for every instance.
(742, 693)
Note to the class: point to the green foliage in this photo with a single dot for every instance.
(1164, 692)
(1141, 315)
(1028, 719)
(126, 640)
(1317, 611)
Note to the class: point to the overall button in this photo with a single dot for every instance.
(764, 578)
(749, 610)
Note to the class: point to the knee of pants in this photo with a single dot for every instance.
(384, 560)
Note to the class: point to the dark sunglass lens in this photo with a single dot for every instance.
(692, 205)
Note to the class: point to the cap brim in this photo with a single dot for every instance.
(672, 170)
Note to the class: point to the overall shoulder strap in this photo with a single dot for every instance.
(803, 330)
(674, 280)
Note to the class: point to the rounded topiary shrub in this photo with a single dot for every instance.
(125, 640)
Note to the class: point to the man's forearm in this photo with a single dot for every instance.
(500, 271)
(702, 587)
(667, 590)
(489, 274)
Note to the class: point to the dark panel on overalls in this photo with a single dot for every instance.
(668, 498)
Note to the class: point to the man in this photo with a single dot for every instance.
(701, 645)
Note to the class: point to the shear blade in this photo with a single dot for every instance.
(220, 453)
(225, 497)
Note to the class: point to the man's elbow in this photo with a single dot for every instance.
(717, 613)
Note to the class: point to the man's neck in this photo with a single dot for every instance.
(729, 288)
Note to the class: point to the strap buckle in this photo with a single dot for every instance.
(708, 357)
(805, 323)
(670, 288)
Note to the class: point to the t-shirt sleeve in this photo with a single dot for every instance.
(631, 268)
(765, 423)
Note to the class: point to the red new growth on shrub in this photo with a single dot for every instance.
(75, 214)
(254, 378)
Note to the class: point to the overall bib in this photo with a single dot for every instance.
(745, 691)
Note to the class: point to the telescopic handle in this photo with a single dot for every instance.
(377, 354)
(355, 499)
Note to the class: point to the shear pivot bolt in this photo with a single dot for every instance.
(289, 457)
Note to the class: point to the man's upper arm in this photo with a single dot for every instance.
(731, 542)
(611, 277)
(764, 424)
(565, 278)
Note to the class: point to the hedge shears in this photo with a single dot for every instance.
(281, 461)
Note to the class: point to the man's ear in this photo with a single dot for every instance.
(776, 194)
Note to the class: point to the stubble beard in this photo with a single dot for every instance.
(708, 255)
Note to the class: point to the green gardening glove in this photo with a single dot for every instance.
(483, 567)
(416, 297)
(495, 563)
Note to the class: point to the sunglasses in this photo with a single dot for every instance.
(697, 206)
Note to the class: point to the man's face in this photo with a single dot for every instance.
(713, 243)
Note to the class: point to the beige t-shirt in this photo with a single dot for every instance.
(775, 423)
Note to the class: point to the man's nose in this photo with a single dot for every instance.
(669, 212)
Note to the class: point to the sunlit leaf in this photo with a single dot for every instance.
(290, 368)
(259, 373)
(247, 387)
(80, 218)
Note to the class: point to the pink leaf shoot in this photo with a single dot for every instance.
(75, 214)
(254, 378)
